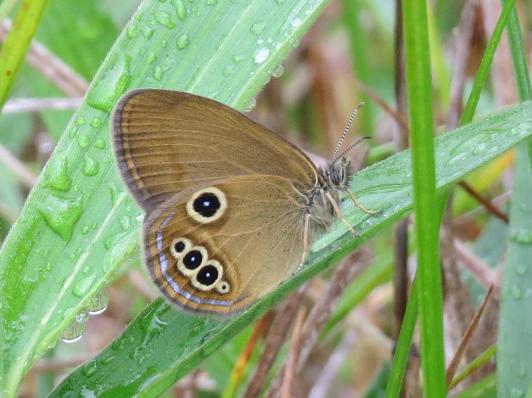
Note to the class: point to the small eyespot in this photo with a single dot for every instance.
(189, 261)
(223, 287)
(179, 247)
(208, 275)
(207, 205)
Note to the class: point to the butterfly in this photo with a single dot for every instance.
(231, 207)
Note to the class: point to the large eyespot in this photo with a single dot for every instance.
(179, 247)
(189, 263)
(207, 205)
(208, 275)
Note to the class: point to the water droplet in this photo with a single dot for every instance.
(125, 222)
(211, 2)
(237, 58)
(147, 31)
(182, 41)
(96, 122)
(80, 121)
(83, 141)
(258, 28)
(58, 177)
(479, 149)
(261, 55)
(151, 58)
(296, 23)
(521, 236)
(61, 215)
(111, 85)
(131, 31)
(115, 194)
(180, 9)
(90, 166)
(100, 143)
(74, 332)
(48, 267)
(98, 303)
(165, 19)
(89, 368)
(516, 292)
(158, 73)
(278, 71)
(251, 105)
(84, 285)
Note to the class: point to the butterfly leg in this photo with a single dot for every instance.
(339, 214)
(306, 243)
(359, 205)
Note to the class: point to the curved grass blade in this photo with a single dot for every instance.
(163, 344)
(79, 222)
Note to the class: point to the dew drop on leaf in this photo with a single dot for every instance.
(57, 177)
(83, 286)
(90, 166)
(258, 28)
(180, 9)
(60, 215)
(111, 85)
(261, 55)
(74, 332)
(147, 31)
(165, 19)
(182, 41)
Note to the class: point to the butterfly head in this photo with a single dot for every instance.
(337, 175)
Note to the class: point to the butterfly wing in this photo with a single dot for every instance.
(254, 241)
(167, 141)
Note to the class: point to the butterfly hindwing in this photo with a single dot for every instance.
(254, 241)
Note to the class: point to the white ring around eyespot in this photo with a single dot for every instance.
(203, 287)
(173, 252)
(192, 272)
(198, 217)
(219, 287)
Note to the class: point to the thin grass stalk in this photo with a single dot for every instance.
(419, 94)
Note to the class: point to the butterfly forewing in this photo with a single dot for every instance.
(167, 141)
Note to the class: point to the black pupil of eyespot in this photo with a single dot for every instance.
(179, 246)
(207, 204)
(192, 260)
(207, 275)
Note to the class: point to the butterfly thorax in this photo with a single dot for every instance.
(332, 180)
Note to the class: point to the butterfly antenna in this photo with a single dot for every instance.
(351, 146)
(334, 156)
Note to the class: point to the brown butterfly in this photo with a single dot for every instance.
(231, 207)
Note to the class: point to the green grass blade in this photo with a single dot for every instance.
(163, 343)
(514, 344)
(402, 349)
(17, 42)
(485, 63)
(419, 94)
(79, 222)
